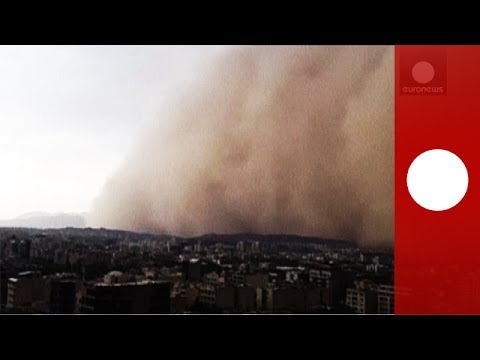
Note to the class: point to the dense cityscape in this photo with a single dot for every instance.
(103, 271)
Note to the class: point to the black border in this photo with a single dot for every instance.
(196, 24)
(147, 35)
(228, 336)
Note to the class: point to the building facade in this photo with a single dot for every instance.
(146, 297)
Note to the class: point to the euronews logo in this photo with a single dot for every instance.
(423, 74)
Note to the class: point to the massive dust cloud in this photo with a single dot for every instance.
(291, 140)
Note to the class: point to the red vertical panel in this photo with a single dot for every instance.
(437, 254)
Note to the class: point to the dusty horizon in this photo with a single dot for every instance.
(267, 139)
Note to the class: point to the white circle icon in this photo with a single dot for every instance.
(437, 180)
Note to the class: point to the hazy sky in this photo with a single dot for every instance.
(70, 114)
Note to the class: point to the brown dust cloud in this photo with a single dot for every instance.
(270, 140)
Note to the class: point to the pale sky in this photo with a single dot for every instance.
(70, 114)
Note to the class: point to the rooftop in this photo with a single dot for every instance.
(132, 283)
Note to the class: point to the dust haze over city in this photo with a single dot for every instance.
(189, 140)
(271, 140)
(196, 179)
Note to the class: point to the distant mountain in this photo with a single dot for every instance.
(43, 220)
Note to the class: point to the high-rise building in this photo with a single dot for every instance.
(335, 281)
(3, 290)
(63, 296)
(313, 298)
(258, 280)
(24, 249)
(237, 278)
(285, 299)
(255, 247)
(245, 298)
(28, 291)
(385, 299)
(207, 295)
(214, 279)
(3, 249)
(261, 299)
(225, 297)
(198, 247)
(362, 298)
(145, 297)
(14, 247)
(193, 270)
